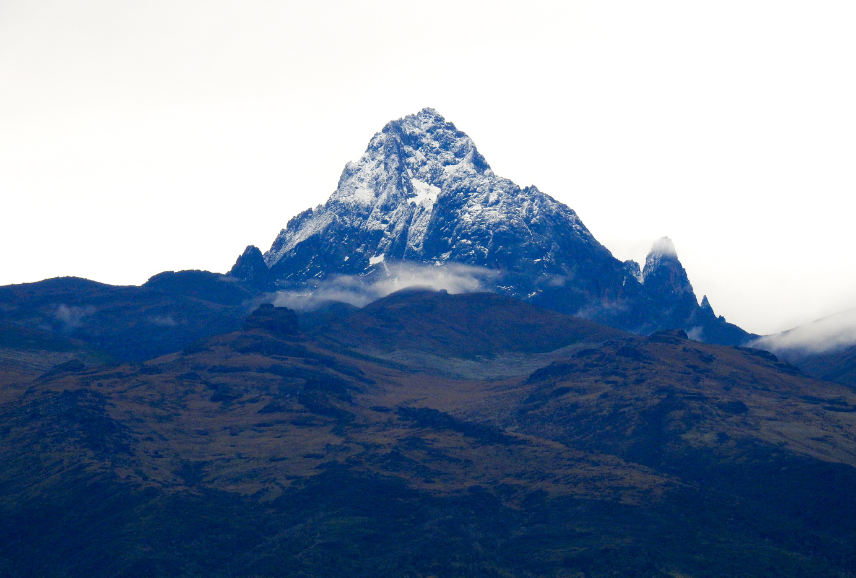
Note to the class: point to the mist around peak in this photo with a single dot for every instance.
(663, 249)
(664, 246)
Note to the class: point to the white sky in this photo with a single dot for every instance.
(137, 137)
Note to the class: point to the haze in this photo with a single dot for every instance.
(142, 137)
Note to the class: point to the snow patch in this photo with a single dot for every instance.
(377, 259)
(426, 194)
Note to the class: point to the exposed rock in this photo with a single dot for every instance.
(280, 321)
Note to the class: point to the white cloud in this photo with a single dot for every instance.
(72, 316)
(361, 291)
(829, 334)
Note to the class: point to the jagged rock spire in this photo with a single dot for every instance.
(662, 250)
(663, 271)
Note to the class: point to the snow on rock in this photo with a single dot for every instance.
(423, 192)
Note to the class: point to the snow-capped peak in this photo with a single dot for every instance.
(422, 147)
(394, 189)
(422, 192)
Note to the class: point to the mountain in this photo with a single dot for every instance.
(271, 451)
(510, 426)
(251, 267)
(422, 195)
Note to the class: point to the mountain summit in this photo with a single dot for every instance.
(665, 280)
(422, 192)
(422, 195)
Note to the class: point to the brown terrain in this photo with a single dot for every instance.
(424, 435)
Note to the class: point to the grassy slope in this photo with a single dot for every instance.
(254, 455)
(838, 365)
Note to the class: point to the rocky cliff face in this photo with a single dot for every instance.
(422, 194)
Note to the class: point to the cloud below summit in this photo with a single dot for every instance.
(391, 277)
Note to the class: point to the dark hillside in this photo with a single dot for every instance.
(131, 323)
(264, 452)
(838, 365)
(468, 325)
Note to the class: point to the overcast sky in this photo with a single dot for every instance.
(137, 137)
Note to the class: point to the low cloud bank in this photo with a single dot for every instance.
(825, 335)
(360, 291)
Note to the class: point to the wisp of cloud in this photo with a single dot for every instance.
(360, 291)
(829, 334)
(71, 316)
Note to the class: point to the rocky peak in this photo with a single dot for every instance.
(391, 191)
(663, 270)
(662, 253)
(251, 267)
(408, 158)
(422, 192)
(705, 305)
